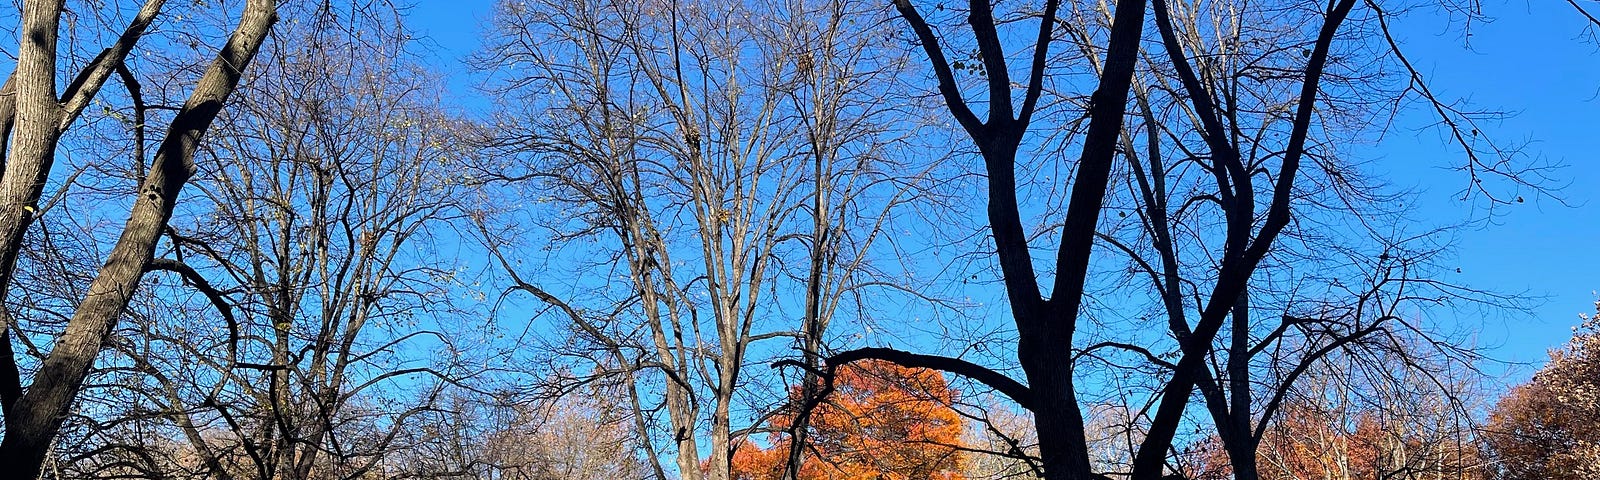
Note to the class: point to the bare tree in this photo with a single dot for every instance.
(1002, 443)
(715, 158)
(36, 116)
(1045, 326)
(589, 436)
(301, 317)
(1327, 293)
(1339, 427)
(314, 244)
(1240, 109)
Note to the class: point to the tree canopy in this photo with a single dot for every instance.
(880, 420)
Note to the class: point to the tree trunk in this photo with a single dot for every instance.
(32, 424)
(35, 128)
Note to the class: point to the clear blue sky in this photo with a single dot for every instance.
(1530, 60)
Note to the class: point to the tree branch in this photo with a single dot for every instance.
(88, 82)
(1012, 389)
(941, 67)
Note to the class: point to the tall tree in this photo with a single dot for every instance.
(1046, 324)
(35, 124)
(713, 152)
(1236, 105)
(321, 195)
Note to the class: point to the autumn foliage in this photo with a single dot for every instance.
(1549, 428)
(882, 421)
(1313, 442)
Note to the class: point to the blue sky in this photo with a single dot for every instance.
(1530, 60)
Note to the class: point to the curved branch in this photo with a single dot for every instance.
(1305, 365)
(1148, 355)
(1012, 389)
(217, 298)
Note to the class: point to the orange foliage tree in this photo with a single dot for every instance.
(1549, 428)
(882, 421)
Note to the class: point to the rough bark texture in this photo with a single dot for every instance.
(35, 129)
(32, 110)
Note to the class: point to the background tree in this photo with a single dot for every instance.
(1000, 442)
(320, 229)
(587, 435)
(712, 154)
(1334, 428)
(296, 323)
(876, 420)
(1547, 427)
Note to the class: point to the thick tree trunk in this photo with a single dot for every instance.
(31, 110)
(32, 424)
(1045, 327)
(35, 129)
(1063, 448)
